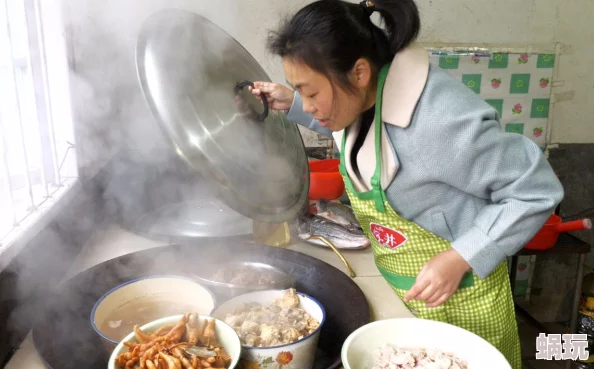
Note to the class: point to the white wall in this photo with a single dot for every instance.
(524, 23)
(102, 36)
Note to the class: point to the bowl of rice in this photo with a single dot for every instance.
(405, 343)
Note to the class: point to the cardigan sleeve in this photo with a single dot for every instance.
(297, 115)
(466, 148)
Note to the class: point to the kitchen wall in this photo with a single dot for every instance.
(525, 23)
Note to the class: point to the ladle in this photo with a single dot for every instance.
(331, 245)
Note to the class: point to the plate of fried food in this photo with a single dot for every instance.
(181, 341)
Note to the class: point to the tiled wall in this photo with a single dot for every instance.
(517, 85)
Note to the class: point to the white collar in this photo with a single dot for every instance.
(404, 85)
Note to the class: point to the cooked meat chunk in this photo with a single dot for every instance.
(416, 358)
(276, 324)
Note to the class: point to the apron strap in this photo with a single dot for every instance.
(380, 200)
(405, 283)
(378, 195)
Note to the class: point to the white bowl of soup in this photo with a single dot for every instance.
(277, 328)
(183, 339)
(143, 300)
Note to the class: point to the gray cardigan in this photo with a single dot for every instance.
(461, 177)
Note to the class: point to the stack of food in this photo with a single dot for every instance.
(189, 344)
(279, 323)
(275, 327)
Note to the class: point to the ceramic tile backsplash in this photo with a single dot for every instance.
(518, 86)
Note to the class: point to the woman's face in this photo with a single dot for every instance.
(329, 103)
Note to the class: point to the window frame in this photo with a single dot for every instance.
(58, 189)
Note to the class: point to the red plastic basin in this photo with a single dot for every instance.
(325, 181)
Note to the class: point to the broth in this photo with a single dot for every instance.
(120, 322)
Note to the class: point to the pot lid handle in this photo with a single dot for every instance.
(241, 85)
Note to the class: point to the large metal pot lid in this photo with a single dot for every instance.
(191, 75)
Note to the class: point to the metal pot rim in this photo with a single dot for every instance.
(285, 280)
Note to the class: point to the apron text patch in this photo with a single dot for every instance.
(386, 236)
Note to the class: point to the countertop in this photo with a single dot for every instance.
(112, 241)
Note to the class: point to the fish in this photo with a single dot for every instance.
(309, 225)
(337, 213)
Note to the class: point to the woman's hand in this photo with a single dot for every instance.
(439, 279)
(279, 97)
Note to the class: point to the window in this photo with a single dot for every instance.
(37, 156)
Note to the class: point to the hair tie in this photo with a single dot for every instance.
(368, 6)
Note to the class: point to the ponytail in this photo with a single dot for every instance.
(402, 22)
(329, 36)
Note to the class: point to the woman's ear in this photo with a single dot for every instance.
(361, 73)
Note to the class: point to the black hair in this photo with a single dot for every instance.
(331, 35)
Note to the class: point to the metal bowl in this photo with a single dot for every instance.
(208, 277)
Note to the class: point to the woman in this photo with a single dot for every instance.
(443, 194)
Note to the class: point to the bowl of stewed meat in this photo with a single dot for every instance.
(277, 328)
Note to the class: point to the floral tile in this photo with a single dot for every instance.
(517, 86)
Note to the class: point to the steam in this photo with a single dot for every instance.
(128, 164)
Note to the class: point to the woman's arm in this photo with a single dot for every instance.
(297, 115)
(282, 98)
(469, 151)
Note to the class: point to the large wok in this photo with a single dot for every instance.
(65, 339)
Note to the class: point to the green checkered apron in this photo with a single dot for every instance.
(401, 248)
